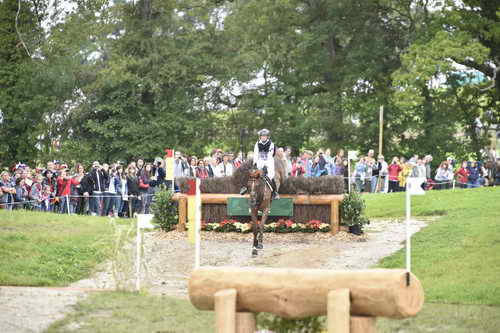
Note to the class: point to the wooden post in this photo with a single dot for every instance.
(225, 311)
(363, 324)
(381, 130)
(245, 322)
(334, 217)
(338, 311)
(181, 226)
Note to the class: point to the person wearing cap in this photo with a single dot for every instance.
(263, 156)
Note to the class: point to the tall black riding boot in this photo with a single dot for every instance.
(276, 196)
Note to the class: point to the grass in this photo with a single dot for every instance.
(457, 257)
(444, 318)
(117, 312)
(44, 249)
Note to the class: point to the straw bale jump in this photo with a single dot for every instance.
(351, 299)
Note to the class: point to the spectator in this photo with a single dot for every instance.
(139, 166)
(145, 190)
(159, 174)
(99, 181)
(319, 166)
(463, 175)
(225, 168)
(442, 176)
(64, 183)
(394, 169)
(191, 171)
(474, 174)
(21, 195)
(111, 195)
(288, 159)
(360, 174)
(37, 192)
(122, 189)
(133, 191)
(47, 205)
(201, 170)
(298, 168)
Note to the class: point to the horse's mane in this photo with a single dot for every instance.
(240, 175)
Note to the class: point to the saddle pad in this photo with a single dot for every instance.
(241, 207)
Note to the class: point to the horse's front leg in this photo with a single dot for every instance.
(255, 229)
(260, 242)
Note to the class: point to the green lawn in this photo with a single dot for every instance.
(44, 249)
(121, 312)
(457, 257)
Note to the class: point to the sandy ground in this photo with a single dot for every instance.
(168, 260)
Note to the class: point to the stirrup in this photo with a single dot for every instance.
(243, 190)
(276, 195)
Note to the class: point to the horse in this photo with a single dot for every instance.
(260, 200)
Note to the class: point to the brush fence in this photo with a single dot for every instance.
(324, 207)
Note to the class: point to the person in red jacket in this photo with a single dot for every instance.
(394, 169)
(64, 182)
(463, 175)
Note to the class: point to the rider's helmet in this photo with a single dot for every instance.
(264, 131)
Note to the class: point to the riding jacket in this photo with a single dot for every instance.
(263, 153)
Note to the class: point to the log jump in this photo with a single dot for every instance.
(350, 299)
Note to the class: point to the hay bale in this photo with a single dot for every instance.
(313, 185)
(291, 185)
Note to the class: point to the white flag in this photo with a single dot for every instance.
(415, 185)
(352, 155)
(144, 221)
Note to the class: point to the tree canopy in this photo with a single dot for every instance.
(101, 79)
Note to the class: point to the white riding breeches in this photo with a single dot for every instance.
(270, 167)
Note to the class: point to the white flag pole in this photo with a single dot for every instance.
(349, 173)
(408, 235)
(138, 258)
(197, 225)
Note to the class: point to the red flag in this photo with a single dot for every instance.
(170, 152)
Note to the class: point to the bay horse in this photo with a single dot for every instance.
(260, 200)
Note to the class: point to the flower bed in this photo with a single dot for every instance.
(282, 226)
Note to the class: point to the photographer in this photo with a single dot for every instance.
(158, 174)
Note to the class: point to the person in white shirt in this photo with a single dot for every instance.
(225, 168)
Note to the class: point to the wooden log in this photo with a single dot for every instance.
(245, 322)
(300, 293)
(334, 217)
(363, 324)
(183, 212)
(225, 311)
(338, 311)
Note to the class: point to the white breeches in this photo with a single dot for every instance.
(270, 167)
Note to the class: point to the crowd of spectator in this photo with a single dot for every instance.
(122, 190)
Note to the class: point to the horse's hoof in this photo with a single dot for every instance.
(260, 246)
(255, 252)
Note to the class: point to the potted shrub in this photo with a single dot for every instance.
(352, 210)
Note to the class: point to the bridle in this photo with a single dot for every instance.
(255, 175)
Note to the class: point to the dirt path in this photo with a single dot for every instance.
(169, 260)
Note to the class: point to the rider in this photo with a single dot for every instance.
(263, 156)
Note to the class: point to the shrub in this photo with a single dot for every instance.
(164, 209)
(282, 325)
(353, 210)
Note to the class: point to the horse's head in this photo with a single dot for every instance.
(254, 176)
